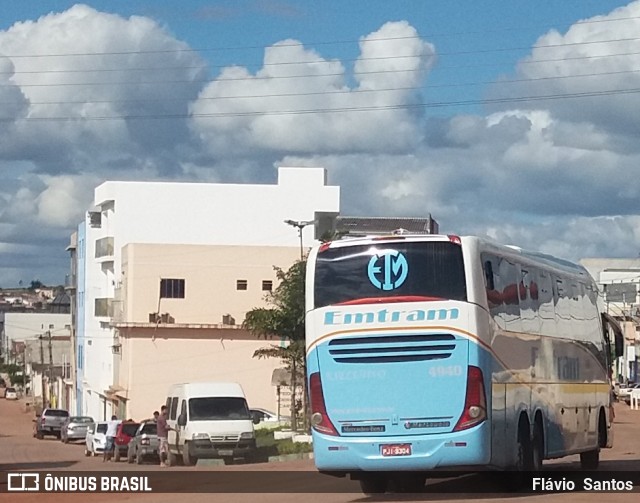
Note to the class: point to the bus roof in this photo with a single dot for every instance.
(481, 242)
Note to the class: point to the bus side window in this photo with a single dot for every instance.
(488, 275)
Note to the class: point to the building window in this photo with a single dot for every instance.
(267, 285)
(103, 307)
(242, 284)
(172, 288)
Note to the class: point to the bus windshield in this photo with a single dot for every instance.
(388, 272)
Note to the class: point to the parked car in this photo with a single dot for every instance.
(75, 428)
(11, 394)
(624, 392)
(266, 416)
(50, 422)
(144, 444)
(126, 431)
(96, 439)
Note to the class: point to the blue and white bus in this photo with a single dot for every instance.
(443, 352)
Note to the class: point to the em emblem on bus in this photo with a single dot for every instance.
(388, 270)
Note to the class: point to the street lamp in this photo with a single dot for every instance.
(300, 224)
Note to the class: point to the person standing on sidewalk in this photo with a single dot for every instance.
(162, 432)
(112, 431)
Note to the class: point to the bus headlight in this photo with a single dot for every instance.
(316, 419)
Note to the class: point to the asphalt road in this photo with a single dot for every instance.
(19, 451)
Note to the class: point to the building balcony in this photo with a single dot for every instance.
(104, 249)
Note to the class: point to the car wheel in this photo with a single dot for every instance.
(139, 458)
(39, 435)
(86, 451)
(116, 455)
(130, 456)
(65, 439)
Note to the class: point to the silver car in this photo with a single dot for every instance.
(145, 444)
(75, 428)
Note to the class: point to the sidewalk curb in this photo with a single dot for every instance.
(291, 457)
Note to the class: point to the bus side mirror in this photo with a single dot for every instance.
(619, 344)
(618, 336)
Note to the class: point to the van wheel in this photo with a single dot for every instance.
(187, 458)
(172, 459)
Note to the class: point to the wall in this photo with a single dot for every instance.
(210, 274)
(157, 358)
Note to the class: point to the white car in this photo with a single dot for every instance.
(267, 416)
(625, 391)
(96, 439)
(11, 394)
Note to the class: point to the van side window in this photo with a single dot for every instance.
(174, 407)
(168, 403)
(183, 408)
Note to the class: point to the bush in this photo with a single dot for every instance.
(291, 447)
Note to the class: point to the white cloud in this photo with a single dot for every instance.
(561, 176)
(295, 79)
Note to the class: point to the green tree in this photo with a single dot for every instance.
(284, 318)
(36, 283)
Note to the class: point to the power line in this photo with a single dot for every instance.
(340, 92)
(313, 43)
(379, 108)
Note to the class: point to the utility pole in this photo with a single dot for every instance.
(50, 366)
(44, 402)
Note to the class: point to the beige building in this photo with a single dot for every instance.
(177, 314)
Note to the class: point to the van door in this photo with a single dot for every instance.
(181, 434)
(172, 439)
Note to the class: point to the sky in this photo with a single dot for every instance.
(512, 119)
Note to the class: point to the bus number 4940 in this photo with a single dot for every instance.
(445, 371)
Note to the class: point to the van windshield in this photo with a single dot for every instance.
(218, 408)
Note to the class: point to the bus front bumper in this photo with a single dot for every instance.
(427, 452)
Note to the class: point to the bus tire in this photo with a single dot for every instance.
(409, 482)
(373, 484)
(537, 446)
(516, 480)
(591, 459)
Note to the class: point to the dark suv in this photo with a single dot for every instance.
(50, 423)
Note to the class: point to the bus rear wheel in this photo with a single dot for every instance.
(591, 459)
(409, 482)
(373, 484)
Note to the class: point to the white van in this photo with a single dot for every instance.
(209, 420)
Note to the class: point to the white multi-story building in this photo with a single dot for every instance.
(127, 215)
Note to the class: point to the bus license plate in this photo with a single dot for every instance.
(396, 449)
